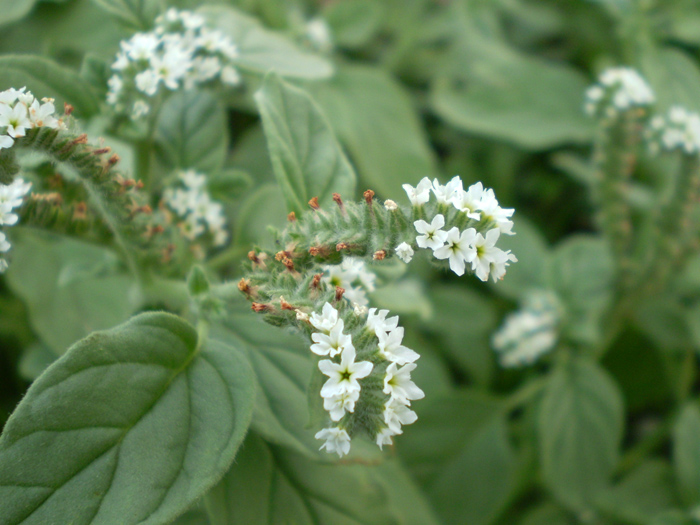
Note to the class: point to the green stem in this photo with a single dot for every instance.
(525, 393)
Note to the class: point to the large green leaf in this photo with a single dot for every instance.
(491, 89)
(579, 428)
(192, 132)
(131, 425)
(11, 10)
(581, 272)
(686, 453)
(270, 485)
(262, 50)
(375, 119)
(45, 78)
(306, 156)
(70, 287)
(647, 491)
(674, 75)
(135, 14)
(281, 362)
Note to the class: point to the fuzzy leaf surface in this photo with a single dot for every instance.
(131, 425)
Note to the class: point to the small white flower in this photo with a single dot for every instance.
(3, 265)
(391, 349)
(377, 321)
(432, 235)
(147, 81)
(343, 376)
(383, 437)
(421, 193)
(15, 119)
(338, 405)
(337, 440)
(332, 343)
(4, 243)
(302, 316)
(140, 109)
(325, 321)
(390, 205)
(359, 309)
(487, 254)
(491, 211)
(230, 76)
(458, 249)
(445, 194)
(404, 252)
(6, 142)
(470, 201)
(41, 115)
(398, 384)
(193, 180)
(397, 413)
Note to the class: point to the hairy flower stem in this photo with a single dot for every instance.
(615, 157)
(94, 166)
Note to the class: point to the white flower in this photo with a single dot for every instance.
(433, 236)
(42, 115)
(3, 265)
(230, 76)
(618, 89)
(487, 254)
(302, 316)
(396, 413)
(421, 193)
(458, 249)
(15, 119)
(359, 309)
(319, 34)
(390, 205)
(4, 243)
(500, 261)
(332, 343)
(193, 180)
(337, 440)
(338, 405)
(377, 321)
(391, 349)
(6, 142)
(491, 211)
(141, 46)
(10, 96)
(527, 334)
(445, 194)
(345, 274)
(140, 109)
(343, 376)
(404, 252)
(383, 437)
(325, 321)
(398, 384)
(147, 81)
(470, 201)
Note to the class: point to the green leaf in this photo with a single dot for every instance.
(673, 517)
(12, 11)
(270, 485)
(135, 414)
(477, 484)
(647, 491)
(306, 156)
(262, 208)
(281, 362)
(674, 76)
(548, 514)
(686, 453)
(354, 23)
(404, 297)
(494, 90)
(45, 78)
(581, 272)
(464, 321)
(192, 132)
(35, 359)
(70, 287)
(377, 122)
(579, 425)
(135, 14)
(261, 50)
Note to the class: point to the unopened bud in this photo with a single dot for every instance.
(301, 316)
(341, 246)
(285, 305)
(379, 255)
(67, 108)
(316, 280)
(314, 204)
(390, 205)
(368, 195)
(260, 307)
(244, 286)
(292, 216)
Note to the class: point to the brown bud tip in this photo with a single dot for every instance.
(339, 293)
(379, 255)
(292, 216)
(341, 246)
(67, 108)
(158, 228)
(244, 286)
(288, 263)
(368, 195)
(314, 203)
(101, 151)
(260, 307)
(316, 280)
(80, 211)
(279, 256)
(113, 160)
(319, 250)
(338, 201)
(285, 305)
(80, 139)
(253, 257)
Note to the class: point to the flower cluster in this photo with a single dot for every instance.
(20, 111)
(376, 392)
(181, 52)
(530, 332)
(467, 211)
(618, 89)
(678, 129)
(199, 212)
(353, 276)
(11, 197)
